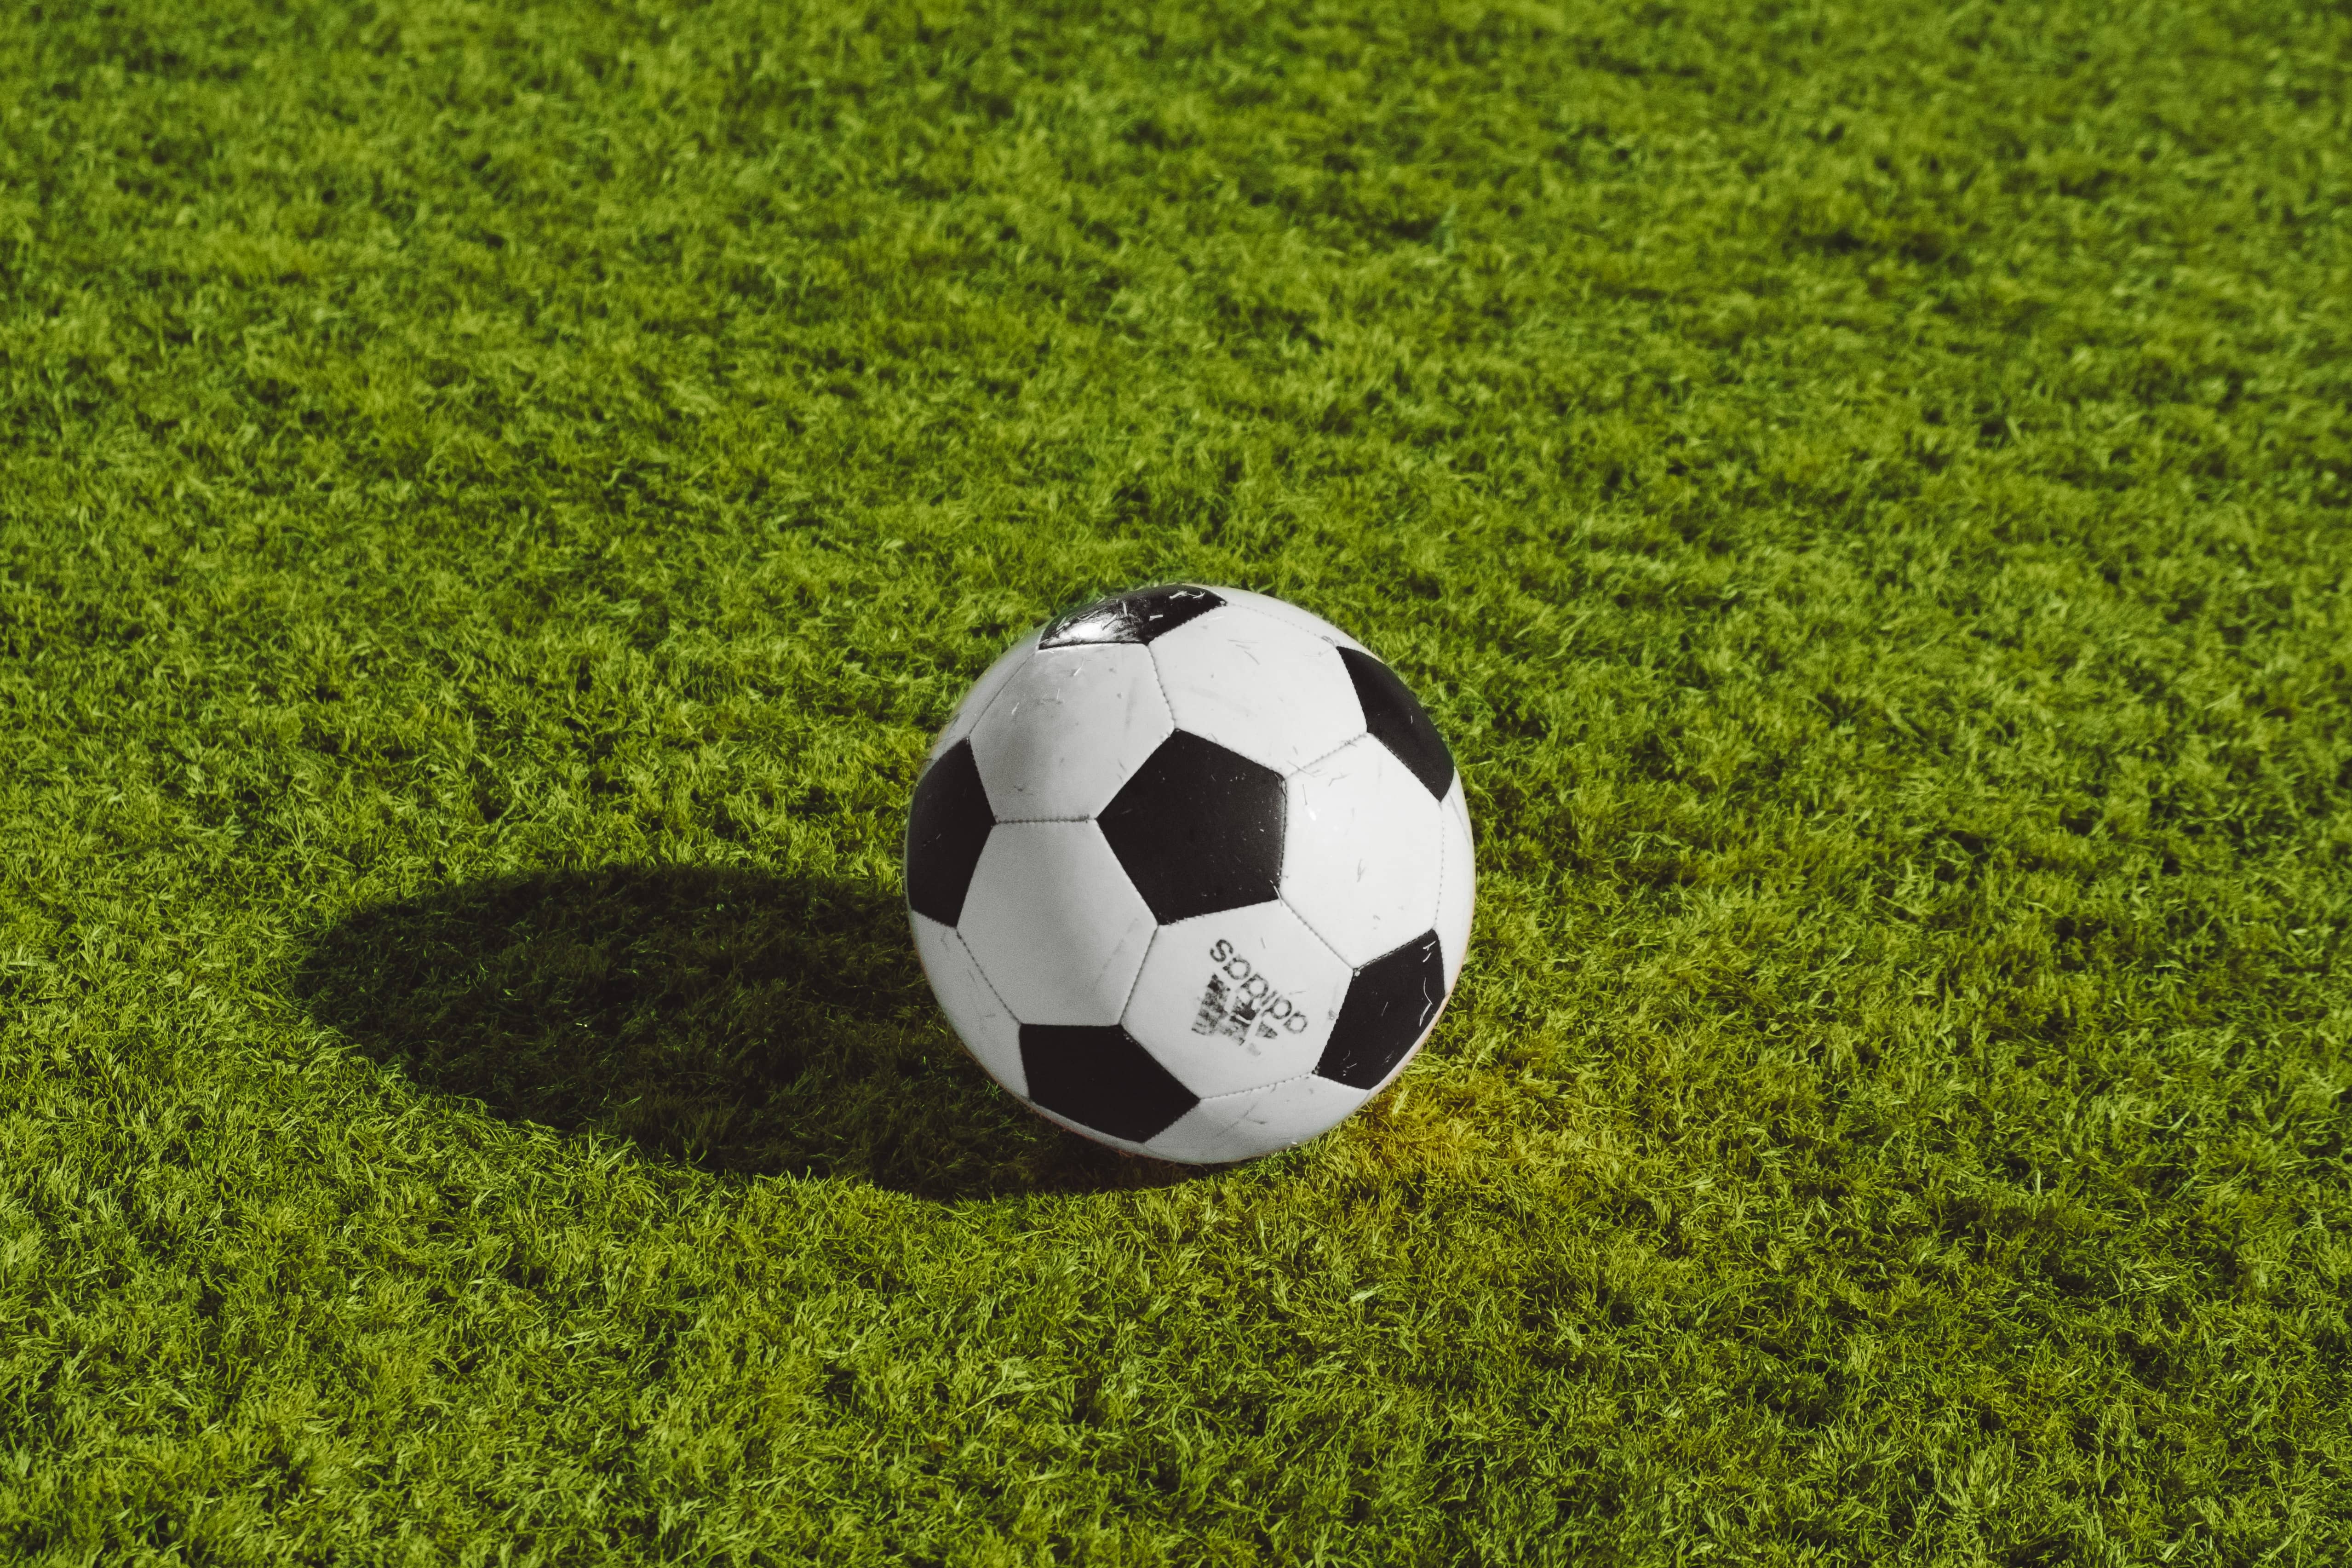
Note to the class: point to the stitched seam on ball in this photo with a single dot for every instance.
(1285, 899)
(994, 696)
(974, 959)
(1137, 984)
(1319, 637)
(1072, 1124)
(1403, 1062)
(1025, 821)
(1261, 1089)
(1160, 678)
(1319, 762)
(1270, 620)
(1161, 675)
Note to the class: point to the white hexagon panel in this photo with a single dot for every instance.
(1270, 692)
(1068, 728)
(1055, 924)
(1457, 880)
(975, 704)
(988, 1030)
(1290, 615)
(1360, 850)
(1285, 1115)
(1238, 999)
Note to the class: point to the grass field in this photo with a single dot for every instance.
(495, 499)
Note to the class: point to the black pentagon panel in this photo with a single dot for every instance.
(1198, 829)
(1099, 1078)
(1136, 618)
(947, 826)
(1391, 1002)
(1394, 715)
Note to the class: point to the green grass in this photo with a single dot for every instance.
(495, 498)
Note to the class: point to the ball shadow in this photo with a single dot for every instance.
(730, 1020)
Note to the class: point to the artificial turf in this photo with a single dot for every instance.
(495, 498)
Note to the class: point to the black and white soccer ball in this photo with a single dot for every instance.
(1190, 871)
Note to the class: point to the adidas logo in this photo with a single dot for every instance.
(1242, 1004)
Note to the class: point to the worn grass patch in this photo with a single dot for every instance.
(495, 498)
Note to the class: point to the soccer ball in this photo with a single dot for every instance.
(1190, 872)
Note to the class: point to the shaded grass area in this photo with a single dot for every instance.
(495, 499)
(725, 1018)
